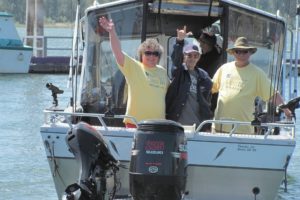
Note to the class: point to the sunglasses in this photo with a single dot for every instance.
(152, 53)
(241, 51)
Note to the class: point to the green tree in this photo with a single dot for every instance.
(64, 10)
(15, 7)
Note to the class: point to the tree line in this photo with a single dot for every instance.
(63, 11)
(56, 11)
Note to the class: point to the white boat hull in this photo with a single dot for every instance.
(219, 166)
(15, 60)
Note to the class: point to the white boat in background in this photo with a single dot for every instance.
(219, 166)
(14, 55)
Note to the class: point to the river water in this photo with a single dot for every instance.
(24, 172)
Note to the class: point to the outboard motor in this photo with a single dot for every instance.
(158, 161)
(96, 163)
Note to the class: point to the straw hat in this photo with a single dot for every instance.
(241, 43)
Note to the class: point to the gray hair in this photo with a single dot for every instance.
(150, 43)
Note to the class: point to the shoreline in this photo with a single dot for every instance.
(49, 25)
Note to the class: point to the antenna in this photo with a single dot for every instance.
(74, 59)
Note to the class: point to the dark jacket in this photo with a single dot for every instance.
(178, 90)
(210, 62)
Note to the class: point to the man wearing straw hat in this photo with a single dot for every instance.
(239, 82)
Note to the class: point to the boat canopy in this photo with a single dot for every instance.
(103, 88)
(8, 33)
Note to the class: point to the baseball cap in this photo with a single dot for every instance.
(189, 48)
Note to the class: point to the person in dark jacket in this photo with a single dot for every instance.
(188, 96)
(210, 59)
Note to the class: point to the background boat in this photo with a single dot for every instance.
(14, 55)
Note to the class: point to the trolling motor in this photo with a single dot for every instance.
(97, 163)
(55, 90)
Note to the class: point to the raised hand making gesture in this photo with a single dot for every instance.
(108, 25)
(181, 33)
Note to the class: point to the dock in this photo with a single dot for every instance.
(53, 58)
(50, 64)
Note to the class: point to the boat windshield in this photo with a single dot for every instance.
(103, 86)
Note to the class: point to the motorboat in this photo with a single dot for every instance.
(93, 156)
(14, 55)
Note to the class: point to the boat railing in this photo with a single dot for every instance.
(269, 127)
(54, 116)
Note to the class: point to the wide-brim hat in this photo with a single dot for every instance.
(241, 43)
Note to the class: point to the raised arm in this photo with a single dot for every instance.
(177, 56)
(109, 26)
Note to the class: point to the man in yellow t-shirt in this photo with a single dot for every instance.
(147, 81)
(239, 83)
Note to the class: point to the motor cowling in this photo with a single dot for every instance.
(95, 156)
(158, 161)
(90, 148)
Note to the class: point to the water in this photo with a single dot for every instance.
(24, 170)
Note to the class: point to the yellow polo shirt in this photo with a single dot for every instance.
(147, 89)
(238, 88)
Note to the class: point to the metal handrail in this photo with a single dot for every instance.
(56, 117)
(45, 41)
(236, 124)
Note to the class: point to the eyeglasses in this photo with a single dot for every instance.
(241, 51)
(152, 53)
(195, 56)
